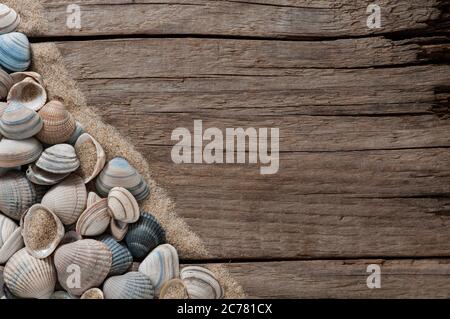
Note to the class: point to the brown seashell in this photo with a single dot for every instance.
(59, 124)
(93, 293)
(99, 157)
(174, 289)
(94, 220)
(92, 199)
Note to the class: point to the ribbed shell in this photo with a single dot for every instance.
(29, 277)
(9, 19)
(67, 199)
(132, 285)
(19, 122)
(28, 92)
(93, 258)
(201, 283)
(10, 238)
(161, 265)
(59, 159)
(119, 173)
(15, 52)
(121, 256)
(94, 220)
(41, 177)
(6, 82)
(59, 124)
(123, 206)
(79, 130)
(143, 236)
(15, 153)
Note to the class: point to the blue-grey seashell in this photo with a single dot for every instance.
(15, 52)
(132, 285)
(121, 256)
(19, 122)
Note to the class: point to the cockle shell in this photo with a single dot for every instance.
(93, 293)
(123, 206)
(17, 153)
(121, 256)
(59, 124)
(9, 19)
(161, 265)
(92, 199)
(94, 220)
(27, 228)
(59, 159)
(19, 122)
(90, 257)
(100, 155)
(20, 76)
(28, 92)
(67, 199)
(118, 229)
(30, 277)
(201, 283)
(79, 130)
(15, 52)
(40, 177)
(144, 236)
(132, 285)
(10, 239)
(174, 289)
(17, 194)
(119, 173)
(6, 82)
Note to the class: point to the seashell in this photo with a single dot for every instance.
(94, 220)
(9, 19)
(30, 277)
(10, 239)
(118, 229)
(91, 164)
(41, 177)
(59, 124)
(92, 199)
(61, 295)
(28, 92)
(19, 122)
(79, 130)
(134, 267)
(132, 285)
(17, 153)
(3, 171)
(161, 265)
(143, 236)
(174, 289)
(201, 283)
(20, 76)
(15, 52)
(67, 199)
(17, 194)
(121, 256)
(6, 82)
(93, 293)
(59, 159)
(42, 231)
(2, 284)
(70, 237)
(119, 173)
(3, 106)
(90, 257)
(123, 206)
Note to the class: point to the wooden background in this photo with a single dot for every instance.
(363, 118)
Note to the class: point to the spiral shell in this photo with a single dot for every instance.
(132, 285)
(121, 256)
(9, 19)
(30, 277)
(118, 229)
(99, 157)
(67, 199)
(93, 293)
(59, 124)
(90, 257)
(6, 82)
(94, 220)
(174, 289)
(19, 122)
(201, 283)
(28, 92)
(59, 159)
(10, 239)
(123, 206)
(15, 153)
(15, 52)
(40, 177)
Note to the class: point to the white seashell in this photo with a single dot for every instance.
(28, 92)
(10, 238)
(29, 277)
(118, 229)
(32, 234)
(6, 82)
(90, 257)
(59, 124)
(20, 76)
(19, 122)
(174, 289)
(99, 157)
(9, 19)
(161, 265)
(132, 285)
(41, 177)
(59, 159)
(17, 153)
(201, 283)
(93, 293)
(15, 51)
(123, 206)
(94, 220)
(67, 199)
(92, 199)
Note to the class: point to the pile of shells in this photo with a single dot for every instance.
(57, 240)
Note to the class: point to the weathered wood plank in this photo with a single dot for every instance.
(287, 19)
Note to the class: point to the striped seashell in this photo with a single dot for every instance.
(92, 199)
(67, 199)
(59, 124)
(79, 130)
(29, 231)
(132, 285)
(59, 159)
(17, 194)
(99, 156)
(161, 265)
(119, 173)
(121, 256)
(28, 92)
(9, 19)
(123, 206)
(201, 283)
(19, 122)
(15, 153)
(94, 220)
(6, 82)
(15, 52)
(90, 257)
(10, 238)
(174, 289)
(145, 235)
(61, 295)
(118, 229)
(41, 177)
(93, 293)
(30, 277)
